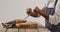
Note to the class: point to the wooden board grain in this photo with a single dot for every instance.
(22, 30)
(43, 30)
(25, 30)
(12, 30)
(31, 30)
(2, 29)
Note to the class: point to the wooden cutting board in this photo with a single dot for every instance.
(27, 25)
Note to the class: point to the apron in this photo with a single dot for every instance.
(49, 11)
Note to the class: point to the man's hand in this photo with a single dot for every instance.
(30, 13)
(29, 10)
(37, 10)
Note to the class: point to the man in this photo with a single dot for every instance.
(50, 10)
(54, 20)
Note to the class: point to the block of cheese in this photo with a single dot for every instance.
(27, 25)
(20, 21)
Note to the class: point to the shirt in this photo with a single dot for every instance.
(49, 7)
(50, 3)
(55, 19)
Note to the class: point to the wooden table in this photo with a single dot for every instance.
(40, 29)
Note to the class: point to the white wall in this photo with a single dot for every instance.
(16, 9)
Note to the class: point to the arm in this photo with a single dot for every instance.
(33, 14)
(46, 16)
(37, 10)
(30, 13)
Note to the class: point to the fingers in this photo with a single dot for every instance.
(36, 9)
(29, 10)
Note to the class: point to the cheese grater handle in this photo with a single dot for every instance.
(26, 17)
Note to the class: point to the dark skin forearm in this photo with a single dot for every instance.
(37, 11)
(46, 16)
(41, 12)
(33, 14)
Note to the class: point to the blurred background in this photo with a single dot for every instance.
(16, 9)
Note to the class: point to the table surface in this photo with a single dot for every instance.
(40, 29)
